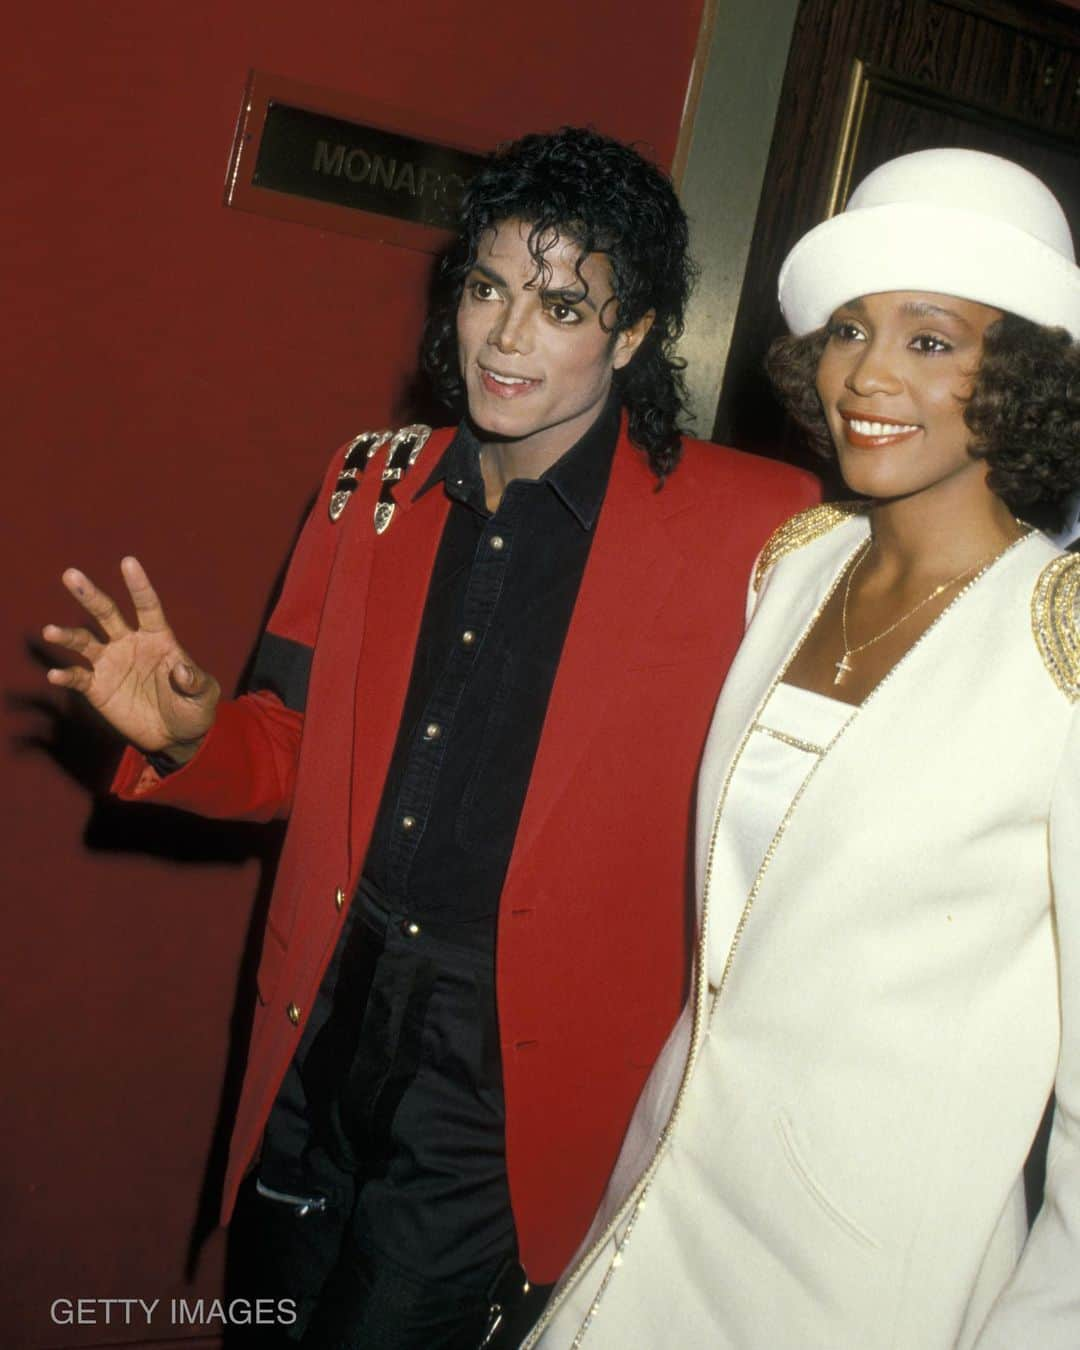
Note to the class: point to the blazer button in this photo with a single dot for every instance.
(292, 1012)
(339, 899)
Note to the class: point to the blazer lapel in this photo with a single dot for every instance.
(770, 641)
(403, 557)
(630, 557)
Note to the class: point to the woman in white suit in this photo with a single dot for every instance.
(829, 1154)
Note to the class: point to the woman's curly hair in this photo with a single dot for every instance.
(1023, 412)
(575, 183)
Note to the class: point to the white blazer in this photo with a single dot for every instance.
(832, 1143)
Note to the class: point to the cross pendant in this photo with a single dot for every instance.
(842, 669)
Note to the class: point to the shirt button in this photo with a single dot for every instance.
(339, 899)
(432, 731)
(468, 637)
(409, 928)
(292, 1012)
(498, 543)
(408, 822)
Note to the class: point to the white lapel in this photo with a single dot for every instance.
(795, 596)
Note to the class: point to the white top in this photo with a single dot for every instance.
(792, 732)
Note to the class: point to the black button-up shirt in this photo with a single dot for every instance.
(498, 608)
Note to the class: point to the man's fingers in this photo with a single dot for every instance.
(70, 677)
(148, 609)
(97, 604)
(79, 640)
(187, 679)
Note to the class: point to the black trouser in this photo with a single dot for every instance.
(392, 1120)
(367, 1301)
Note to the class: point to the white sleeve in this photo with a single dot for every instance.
(1040, 1305)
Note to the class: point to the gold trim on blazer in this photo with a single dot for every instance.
(802, 529)
(1055, 622)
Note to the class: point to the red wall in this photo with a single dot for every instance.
(177, 376)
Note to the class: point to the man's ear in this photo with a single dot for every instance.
(630, 339)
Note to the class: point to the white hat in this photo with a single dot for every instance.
(955, 222)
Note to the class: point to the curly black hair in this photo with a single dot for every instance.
(607, 198)
(1023, 412)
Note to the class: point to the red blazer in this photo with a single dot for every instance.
(592, 954)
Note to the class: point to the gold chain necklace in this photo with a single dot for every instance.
(844, 666)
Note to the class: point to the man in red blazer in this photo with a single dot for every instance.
(480, 701)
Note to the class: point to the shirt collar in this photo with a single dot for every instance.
(578, 478)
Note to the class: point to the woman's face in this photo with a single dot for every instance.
(893, 379)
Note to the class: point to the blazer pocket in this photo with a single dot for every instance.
(785, 1128)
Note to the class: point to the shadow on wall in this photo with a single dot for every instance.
(61, 726)
(64, 728)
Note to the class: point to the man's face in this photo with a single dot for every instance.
(535, 348)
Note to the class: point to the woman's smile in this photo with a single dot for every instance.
(867, 433)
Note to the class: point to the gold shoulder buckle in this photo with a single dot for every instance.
(405, 447)
(403, 453)
(1055, 622)
(361, 449)
(801, 530)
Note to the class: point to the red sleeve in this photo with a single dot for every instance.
(244, 770)
(246, 767)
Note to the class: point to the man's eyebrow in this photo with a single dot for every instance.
(569, 295)
(490, 273)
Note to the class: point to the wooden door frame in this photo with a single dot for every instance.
(719, 168)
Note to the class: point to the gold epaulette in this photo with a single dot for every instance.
(803, 529)
(1055, 621)
(405, 446)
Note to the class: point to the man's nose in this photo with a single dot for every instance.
(510, 333)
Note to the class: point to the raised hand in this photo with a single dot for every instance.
(140, 679)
